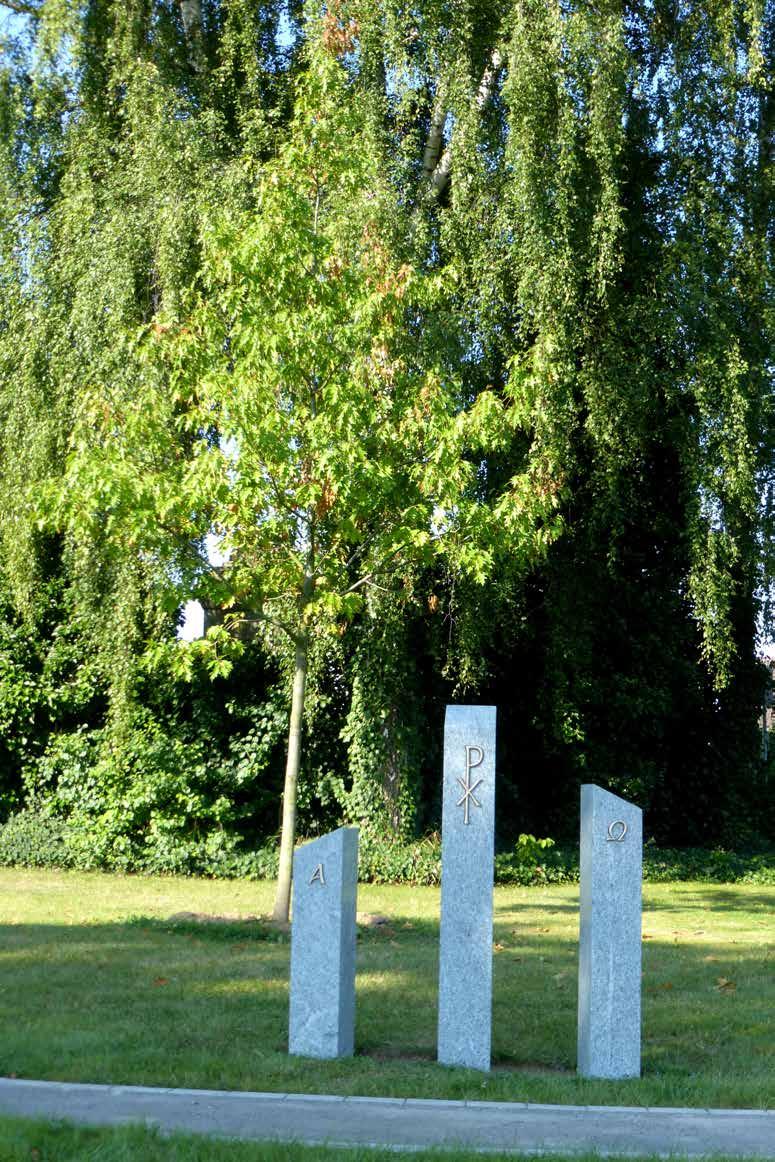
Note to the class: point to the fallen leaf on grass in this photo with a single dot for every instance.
(160, 980)
(725, 985)
(497, 947)
(647, 937)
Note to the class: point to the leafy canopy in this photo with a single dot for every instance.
(307, 412)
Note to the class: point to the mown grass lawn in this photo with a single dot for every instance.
(24, 1141)
(98, 984)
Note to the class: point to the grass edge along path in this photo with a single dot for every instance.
(25, 1140)
(401, 1124)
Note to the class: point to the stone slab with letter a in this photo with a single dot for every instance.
(609, 935)
(323, 934)
(467, 853)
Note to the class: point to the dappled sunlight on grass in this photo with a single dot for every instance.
(239, 986)
(144, 997)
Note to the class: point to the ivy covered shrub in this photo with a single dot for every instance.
(532, 861)
(717, 866)
(384, 727)
(154, 797)
(536, 861)
(384, 860)
(49, 681)
(34, 838)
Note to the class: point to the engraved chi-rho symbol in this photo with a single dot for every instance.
(467, 786)
(318, 875)
(616, 831)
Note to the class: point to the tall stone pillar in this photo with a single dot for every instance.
(609, 935)
(467, 854)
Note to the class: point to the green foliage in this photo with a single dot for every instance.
(187, 786)
(118, 141)
(153, 801)
(533, 861)
(387, 746)
(372, 294)
(34, 837)
(717, 866)
(19, 708)
(340, 452)
(49, 682)
(383, 860)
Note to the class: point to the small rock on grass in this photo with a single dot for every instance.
(372, 920)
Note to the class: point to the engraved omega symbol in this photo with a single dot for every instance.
(319, 875)
(468, 787)
(616, 831)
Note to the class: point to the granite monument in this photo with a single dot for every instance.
(467, 854)
(609, 936)
(323, 933)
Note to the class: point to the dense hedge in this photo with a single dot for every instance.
(33, 838)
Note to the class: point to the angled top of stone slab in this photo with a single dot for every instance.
(607, 798)
(337, 851)
(465, 715)
(608, 819)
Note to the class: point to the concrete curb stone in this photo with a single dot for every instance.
(402, 1124)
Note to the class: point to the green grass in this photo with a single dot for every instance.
(29, 1141)
(97, 985)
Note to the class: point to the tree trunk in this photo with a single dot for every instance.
(191, 15)
(282, 903)
(442, 171)
(191, 12)
(435, 140)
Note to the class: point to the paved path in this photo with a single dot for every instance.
(402, 1124)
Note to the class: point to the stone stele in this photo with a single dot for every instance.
(609, 935)
(467, 851)
(322, 993)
